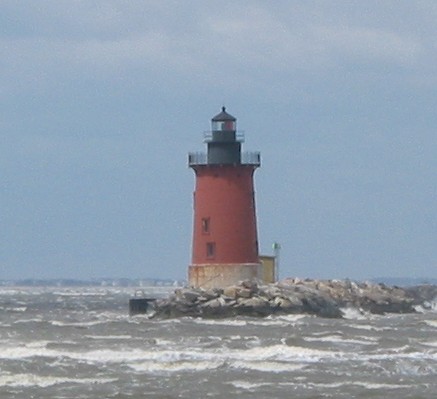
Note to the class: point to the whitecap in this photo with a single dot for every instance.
(30, 380)
(328, 385)
(369, 385)
(431, 323)
(58, 323)
(291, 318)
(409, 368)
(272, 322)
(135, 356)
(18, 309)
(419, 309)
(174, 366)
(109, 337)
(341, 340)
(13, 291)
(163, 342)
(165, 321)
(354, 314)
(274, 353)
(429, 343)
(282, 353)
(246, 385)
(221, 322)
(37, 344)
(34, 320)
(369, 327)
(402, 353)
(30, 350)
(269, 367)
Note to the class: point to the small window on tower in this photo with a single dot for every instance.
(210, 250)
(206, 225)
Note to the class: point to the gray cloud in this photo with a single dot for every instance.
(105, 39)
(102, 100)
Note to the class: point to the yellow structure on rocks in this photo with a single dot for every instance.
(269, 268)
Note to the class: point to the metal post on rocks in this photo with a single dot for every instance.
(276, 250)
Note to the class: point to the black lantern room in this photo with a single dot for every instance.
(223, 145)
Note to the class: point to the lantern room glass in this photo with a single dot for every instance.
(224, 126)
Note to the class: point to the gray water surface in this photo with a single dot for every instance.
(81, 343)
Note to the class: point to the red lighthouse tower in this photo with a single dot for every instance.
(225, 242)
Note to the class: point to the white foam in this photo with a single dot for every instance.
(402, 353)
(427, 306)
(156, 358)
(291, 318)
(419, 309)
(14, 291)
(429, 343)
(18, 309)
(281, 353)
(285, 320)
(174, 366)
(341, 340)
(57, 323)
(23, 321)
(246, 385)
(278, 321)
(272, 322)
(30, 380)
(135, 356)
(270, 367)
(165, 321)
(328, 385)
(369, 327)
(221, 322)
(369, 385)
(295, 317)
(28, 351)
(431, 323)
(37, 344)
(109, 337)
(354, 314)
(163, 342)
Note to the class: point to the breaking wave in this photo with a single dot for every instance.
(66, 342)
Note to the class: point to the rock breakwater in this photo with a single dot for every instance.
(324, 298)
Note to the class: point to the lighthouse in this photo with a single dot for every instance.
(225, 239)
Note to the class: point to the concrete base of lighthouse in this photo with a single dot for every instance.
(223, 275)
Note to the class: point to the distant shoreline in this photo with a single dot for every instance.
(99, 282)
(156, 282)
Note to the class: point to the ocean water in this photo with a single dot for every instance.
(81, 343)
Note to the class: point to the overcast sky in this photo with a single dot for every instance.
(100, 102)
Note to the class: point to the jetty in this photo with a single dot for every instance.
(324, 298)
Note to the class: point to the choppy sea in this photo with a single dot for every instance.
(81, 343)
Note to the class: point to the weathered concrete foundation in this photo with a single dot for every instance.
(223, 275)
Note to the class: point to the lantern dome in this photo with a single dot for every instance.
(224, 122)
